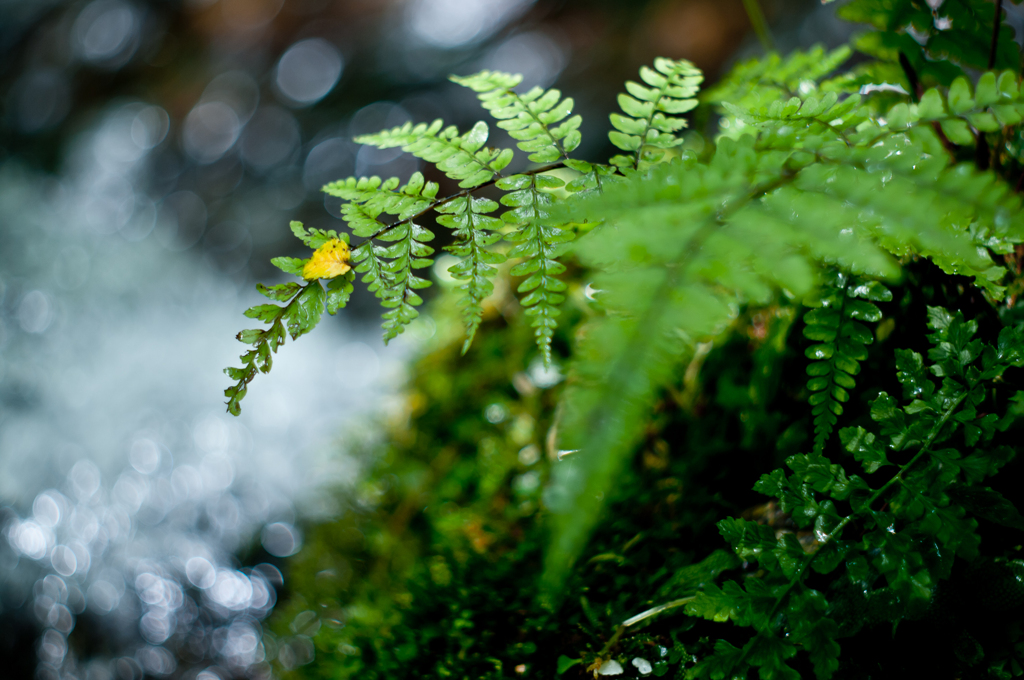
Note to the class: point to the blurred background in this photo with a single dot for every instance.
(151, 156)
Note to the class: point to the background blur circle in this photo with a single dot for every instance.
(307, 71)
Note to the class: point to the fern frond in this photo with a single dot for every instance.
(811, 109)
(651, 112)
(539, 244)
(996, 102)
(304, 308)
(758, 82)
(917, 190)
(461, 157)
(388, 271)
(475, 232)
(842, 340)
(528, 117)
(682, 246)
(369, 197)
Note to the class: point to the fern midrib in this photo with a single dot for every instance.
(471, 288)
(647, 128)
(538, 239)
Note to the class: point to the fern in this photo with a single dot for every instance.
(476, 232)
(528, 117)
(388, 270)
(539, 245)
(910, 543)
(461, 157)
(841, 345)
(816, 186)
(651, 112)
(771, 78)
(304, 308)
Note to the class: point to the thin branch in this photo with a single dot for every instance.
(996, 23)
(912, 79)
(654, 611)
(759, 24)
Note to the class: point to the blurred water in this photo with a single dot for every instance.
(125, 489)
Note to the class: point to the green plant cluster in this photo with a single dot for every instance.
(721, 302)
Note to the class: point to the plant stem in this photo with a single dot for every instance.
(996, 22)
(759, 24)
(632, 621)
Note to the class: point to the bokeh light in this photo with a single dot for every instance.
(307, 71)
(453, 23)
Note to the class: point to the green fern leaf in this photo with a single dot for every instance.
(301, 315)
(652, 111)
(369, 197)
(389, 272)
(758, 82)
(535, 119)
(590, 179)
(476, 233)
(314, 238)
(841, 340)
(461, 157)
(538, 245)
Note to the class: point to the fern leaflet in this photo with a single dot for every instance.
(651, 111)
(370, 195)
(528, 117)
(539, 244)
(476, 232)
(841, 344)
(388, 270)
(461, 157)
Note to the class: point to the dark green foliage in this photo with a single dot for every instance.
(909, 529)
(936, 53)
(840, 345)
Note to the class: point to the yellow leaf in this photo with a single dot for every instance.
(329, 260)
